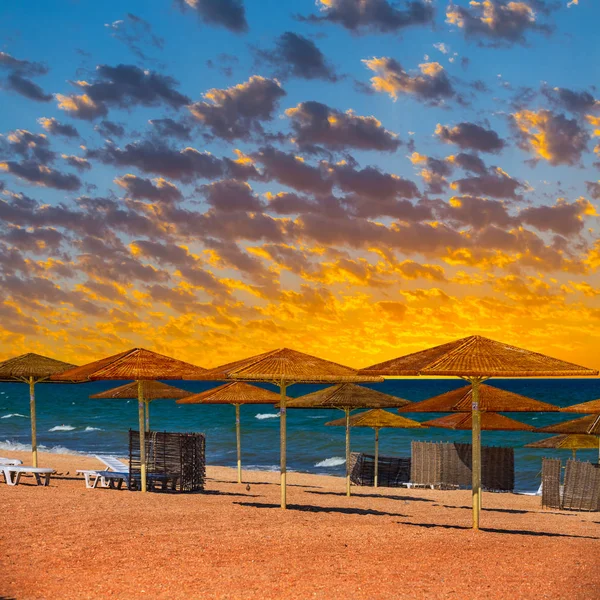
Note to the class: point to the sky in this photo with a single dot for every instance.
(355, 179)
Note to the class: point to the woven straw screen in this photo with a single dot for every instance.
(449, 465)
(392, 471)
(551, 471)
(174, 461)
(582, 486)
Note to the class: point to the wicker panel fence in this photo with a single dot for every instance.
(582, 486)
(174, 461)
(392, 471)
(449, 465)
(551, 468)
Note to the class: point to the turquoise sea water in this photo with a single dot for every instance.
(69, 421)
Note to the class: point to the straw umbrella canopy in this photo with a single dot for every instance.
(151, 390)
(589, 408)
(573, 441)
(31, 368)
(376, 419)
(236, 393)
(489, 422)
(589, 425)
(491, 399)
(140, 365)
(347, 397)
(285, 367)
(476, 359)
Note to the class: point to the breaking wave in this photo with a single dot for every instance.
(266, 416)
(62, 428)
(334, 461)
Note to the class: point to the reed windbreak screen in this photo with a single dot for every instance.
(174, 461)
(392, 471)
(449, 464)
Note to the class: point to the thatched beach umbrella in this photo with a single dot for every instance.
(140, 365)
(347, 397)
(377, 419)
(589, 425)
(151, 390)
(31, 368)
(476, 359)
(489, 422)
(491, 399)
(589, 408)
(236, 393)
(285, 367)
(571, 441)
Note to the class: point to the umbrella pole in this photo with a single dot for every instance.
(238, 442)
(283, 447)
(376, 456)
(142, 435)
(34, 457)
(476, 453)
(347, 412)
(147, 403)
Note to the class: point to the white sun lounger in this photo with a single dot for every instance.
(42, 475)
(116, 469)
(11, 462)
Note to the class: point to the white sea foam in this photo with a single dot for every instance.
(19, 447)
(62, 428)
(270, 468)
(318, 417)
(266, 416)
(334, 461)
(9, 416)
(93, 429)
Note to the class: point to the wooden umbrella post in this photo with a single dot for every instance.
(376, 456)
(476, 452)
(283, 447)
(147, 403)
(142, 435)
(238, 442)
(33, 423)
(347, 413)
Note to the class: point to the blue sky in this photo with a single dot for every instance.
(521, 226)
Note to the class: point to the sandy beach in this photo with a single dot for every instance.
(66, 542)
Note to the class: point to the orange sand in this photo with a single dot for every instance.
(67, 542)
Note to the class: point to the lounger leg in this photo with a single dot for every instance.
(38, 479)
(47, 480)
(17, 478)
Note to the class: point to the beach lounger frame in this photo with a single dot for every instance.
(12, 474)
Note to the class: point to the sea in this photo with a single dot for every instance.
(68, 421)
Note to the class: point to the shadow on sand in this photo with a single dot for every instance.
(382, 496)
(514, 511)
(313, 487)
(496, 530)
(325, 509)
(220, 493)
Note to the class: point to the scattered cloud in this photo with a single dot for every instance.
(499, 22)
(469, 136)
(122, 86)
(550, 136)
(432, 84)
(296, 56)
(315, 123)
(362, 16)
(237, 112)
(230, 14)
